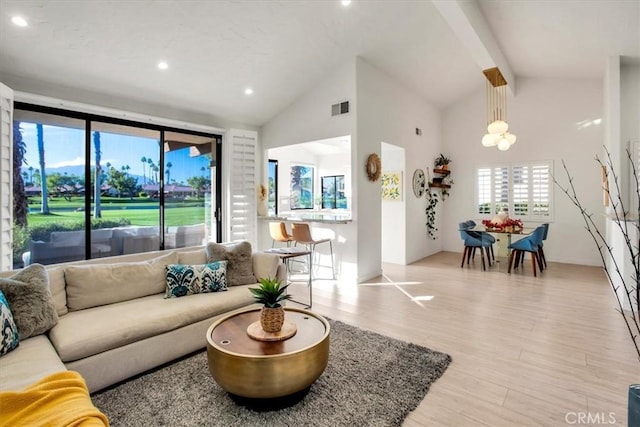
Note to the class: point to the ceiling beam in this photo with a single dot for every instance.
(467, 22)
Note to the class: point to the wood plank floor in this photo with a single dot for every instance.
(526, 351)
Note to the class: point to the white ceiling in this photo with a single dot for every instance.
(215, 49)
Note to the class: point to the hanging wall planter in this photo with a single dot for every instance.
(432, 202)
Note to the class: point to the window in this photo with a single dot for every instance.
(272, 190)
(301, 187)
(523, 189)
(333, 192)
(97, 186)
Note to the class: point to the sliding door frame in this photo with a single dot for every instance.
(89, 118)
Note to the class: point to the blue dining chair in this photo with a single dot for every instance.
(482, 235)
(544, 237)
(529, 244)
(471, 243)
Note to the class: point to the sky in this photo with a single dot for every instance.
(65, 147)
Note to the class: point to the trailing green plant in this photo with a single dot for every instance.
(625, 221)
(432, 202)
(270, 293)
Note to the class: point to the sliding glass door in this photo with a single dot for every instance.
(97, 186)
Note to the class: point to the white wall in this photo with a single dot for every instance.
(623, 86)
(389, 112)
(381, 110)
(394, 211)
(549, 117)
(309, 119)
(146, 107)
(630, 102)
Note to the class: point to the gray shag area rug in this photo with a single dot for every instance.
(370, 380)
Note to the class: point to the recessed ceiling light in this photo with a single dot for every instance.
(163, 65)
(346, 2)
(248, 91)
(19, 21)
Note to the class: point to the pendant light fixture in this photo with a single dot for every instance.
(497, 126)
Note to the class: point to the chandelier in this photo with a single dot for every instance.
(497, 126)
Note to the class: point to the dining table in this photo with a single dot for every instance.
(501, 234)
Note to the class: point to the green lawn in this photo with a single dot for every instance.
(173, 216)
(139, 210)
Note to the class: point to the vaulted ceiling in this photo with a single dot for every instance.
(280, 49)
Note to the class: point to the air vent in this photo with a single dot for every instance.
(340, 108)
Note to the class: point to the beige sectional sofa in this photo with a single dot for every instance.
(115, 322)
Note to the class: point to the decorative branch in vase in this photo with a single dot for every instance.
(626, 288)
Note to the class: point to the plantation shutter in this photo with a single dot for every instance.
(501, 189)
(485, 200)
(6, 177)
(541, 191)
(525, 190)
(241, 199)
(520, 188)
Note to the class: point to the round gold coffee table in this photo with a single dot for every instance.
(267, 369)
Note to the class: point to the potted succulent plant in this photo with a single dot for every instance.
(271, 293)
(442, 162)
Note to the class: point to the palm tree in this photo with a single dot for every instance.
(97, 212)
(202, 169)
(150, 162)
(168, 171)
(20, 203)
(156, 169)
(144, 163)
(31, 174)
(43, 176)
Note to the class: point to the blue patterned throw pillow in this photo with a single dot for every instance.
(195, 279)
(10, 337)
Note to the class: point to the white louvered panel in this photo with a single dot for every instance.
(501, 189)
(484, 202)
(520, 190)
(242, 187)
(541, 191)
(6, 177)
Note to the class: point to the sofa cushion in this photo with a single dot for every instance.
(94, 285)
(82, 333)
(30, 300)
(32, 360)
(10, 337)
(184, 279)
(240, 263)
(193, 257)
(265, 265)
(57, 287)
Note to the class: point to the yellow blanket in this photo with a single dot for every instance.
(61, 399)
